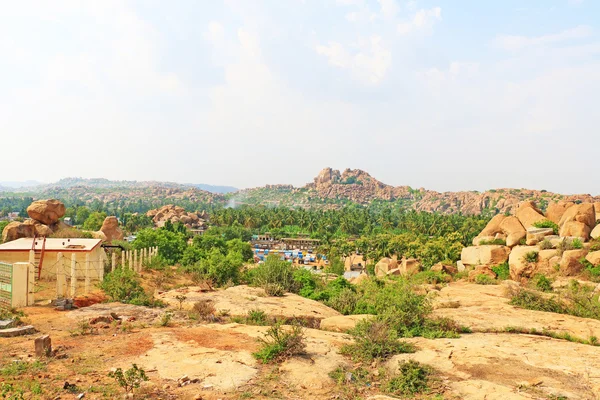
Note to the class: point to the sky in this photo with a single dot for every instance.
(443, 94)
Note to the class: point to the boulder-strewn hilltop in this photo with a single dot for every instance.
(174, 214)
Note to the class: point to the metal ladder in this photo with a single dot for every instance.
(39, 255)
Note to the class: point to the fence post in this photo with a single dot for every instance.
(20, 277)
(60, 277)
(31, 283)
(73, 274)
(130, 253)
(149, 255)
(113, 261)
(87, 273)
(122, 258)
(135, 258)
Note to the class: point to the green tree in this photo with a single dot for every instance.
(94, 221)
(171, 245)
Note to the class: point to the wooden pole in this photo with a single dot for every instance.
(73, 274)
(113, 261)
(60, 277)
(87, 273)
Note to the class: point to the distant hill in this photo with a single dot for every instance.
(213, 188)
(18, 184)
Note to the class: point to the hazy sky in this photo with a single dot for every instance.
(442, 94)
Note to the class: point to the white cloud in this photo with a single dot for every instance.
(369, 62)
(389, 8)
(422, 19)
(513, 42)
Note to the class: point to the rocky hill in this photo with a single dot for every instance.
(332, 188)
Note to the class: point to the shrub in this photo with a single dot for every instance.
(547, 224)
(280, 344)
(343, 374)
(577, 244)
(123, 285)
(305, 282)
(219, 268)
(274, 272)
(274, 289)
(130, 379)
(344, 301)
(431, 277)
(205, 309)
(545, 245)
(531, 257)
(483, 279)
(165, 319)
(534, 301)
(336, 267)
(542, 283)
(413, 378)
(375, 339)
(257, 317)
(502, 271)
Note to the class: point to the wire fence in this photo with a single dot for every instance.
(6, 284)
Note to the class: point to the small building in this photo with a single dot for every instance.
(79, 250)
(301, 243)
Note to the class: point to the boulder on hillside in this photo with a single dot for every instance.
(40, 229)
(597, 210)
(519, 266)
(513, 229)
(570, 262)
(16, 230)
(593, 257)
(595, 234)
(111, 230)
(528, 214)
(484, 255)
(47, 212)
(493, 226)
(409, 266)
(547, 261)
(555, 211)
(575, 229)
(583, 213)
(449, 269)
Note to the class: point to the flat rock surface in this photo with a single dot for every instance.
(124, 311)
(485, 307)
(238, 300)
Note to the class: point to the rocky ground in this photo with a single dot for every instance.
(216, 358)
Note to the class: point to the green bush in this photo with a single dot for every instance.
(502, 271)
(430, 277)
(123, 285)
(130, 379)
(257, 317)
(413, 378)
(547, 224)
(501, 242)
(577, 244)
(344, 301)
(531, 257)
(280, 344)
(375, 339)
(275, 272)
(542, 283)
(335, 267)
(534, 301)
(221, 269)
(545, 245)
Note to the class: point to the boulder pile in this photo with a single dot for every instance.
(558, 241)
(192, 220)
(392, 266)
(45, 220)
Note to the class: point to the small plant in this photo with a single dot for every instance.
(542, 283)
(257, 317)
(577, 244)
(547, 224)
(500, 242)
(165, 320)
(280, 344)
(130, 379)
(531, 257)
(274, 289)
(375, 340)
(181, 298)
(413, 378)
(343, 375)
(205, 309)
(84, 328)
(483, 279)
(545, 245)
(502, 271)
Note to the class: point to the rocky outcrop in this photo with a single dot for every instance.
(484, 255)
(528, 214)
(386, 266)
(47, 212)
(520, 266)
(16, 230)
(175, 214)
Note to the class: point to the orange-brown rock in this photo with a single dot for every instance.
(481, 270)
(555, 210)
(47, 212)
(174, 214)
(111, 230)
(570, 262)
(593, 257)
(449, 269)
(16, 230)
(513, 229)
(484, 255)
(519, 266)
(528, 214)
(583, 213)
(575, 229)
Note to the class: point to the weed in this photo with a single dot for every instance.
(545, 245)
(165, 319)
(343, 375)
(542, 283)
(577, 244)
(500, 242)
(547, 224)
(18, 368)
(413, 378)
(531, 257)
(274, 289)
(205, 310)
(180, 298)
(483, 279)
(374, 340)
(257, 317)
(130, 379)
(280, 344)
(502, 271)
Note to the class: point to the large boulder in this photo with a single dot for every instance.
(481, 270)
(111, 230)
(575, 229)
(593, 257)
(484, 255)
(570, 262)
(597, 210)
(513, 229)
(16, 230)
(40, 229)
(342, 323)
(595, 232)
(47, 212)
(555, 211)
(519, 266)
(583, 213)
(409, 266)
(528, 214)
(547, 260)
(493, 226)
